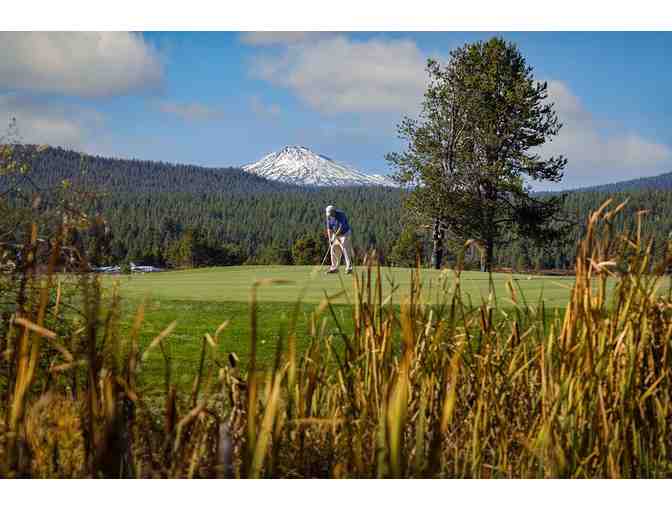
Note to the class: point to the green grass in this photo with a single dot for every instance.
(202, 299)
(232, 284)
(195, 318)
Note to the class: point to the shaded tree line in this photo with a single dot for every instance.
(201, 217)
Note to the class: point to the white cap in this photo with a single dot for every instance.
(330, 209)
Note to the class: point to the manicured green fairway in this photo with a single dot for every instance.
(202, 299)
(233, 284)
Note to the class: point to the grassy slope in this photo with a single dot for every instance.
(200, 300)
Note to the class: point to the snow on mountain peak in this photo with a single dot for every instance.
(299, 165)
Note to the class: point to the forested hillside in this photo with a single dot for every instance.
(185, 215)
(656, 223)
(182, 215)
(51, 166)
(660, 182)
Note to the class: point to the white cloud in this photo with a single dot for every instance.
(193, 112)
(281, 38)
(337, 74)
(43, 122)
(264, 110)
(596, 155)
(90, 64)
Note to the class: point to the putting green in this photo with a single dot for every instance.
(233, 284)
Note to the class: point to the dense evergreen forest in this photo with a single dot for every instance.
(185, 215)
(661, 182)
(182, 215)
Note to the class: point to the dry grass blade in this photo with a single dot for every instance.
(40, 330)
(401, 388)
(158, 339)
(270, 414)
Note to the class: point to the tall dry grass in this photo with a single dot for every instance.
(485, 391)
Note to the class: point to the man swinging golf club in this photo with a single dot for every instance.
(338, 232)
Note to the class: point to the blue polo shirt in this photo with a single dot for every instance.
(338, 220)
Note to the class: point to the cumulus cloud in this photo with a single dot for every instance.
(44, 122)
(191, 112)
(89, 64)
(337, 74)
(597, 155)
(281, 38)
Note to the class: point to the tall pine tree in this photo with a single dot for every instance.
(482, 120)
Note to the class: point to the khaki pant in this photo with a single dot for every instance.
(341, 245)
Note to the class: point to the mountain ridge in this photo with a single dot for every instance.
(298, 165)
(68, 163)
(660, 181)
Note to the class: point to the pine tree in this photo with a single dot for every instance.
(408, 249)
(483, 117)
(307, 251)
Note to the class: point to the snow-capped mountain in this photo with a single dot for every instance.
(299, 165)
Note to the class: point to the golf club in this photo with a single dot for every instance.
(331, 244)
(325, 256)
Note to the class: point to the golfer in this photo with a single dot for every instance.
(338, 232)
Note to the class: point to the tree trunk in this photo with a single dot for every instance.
(437, 247)
(487, 257)
(437, 255)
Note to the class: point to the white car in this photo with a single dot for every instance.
(144, 269)
(107, 269)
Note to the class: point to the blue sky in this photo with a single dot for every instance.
(220, 99)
